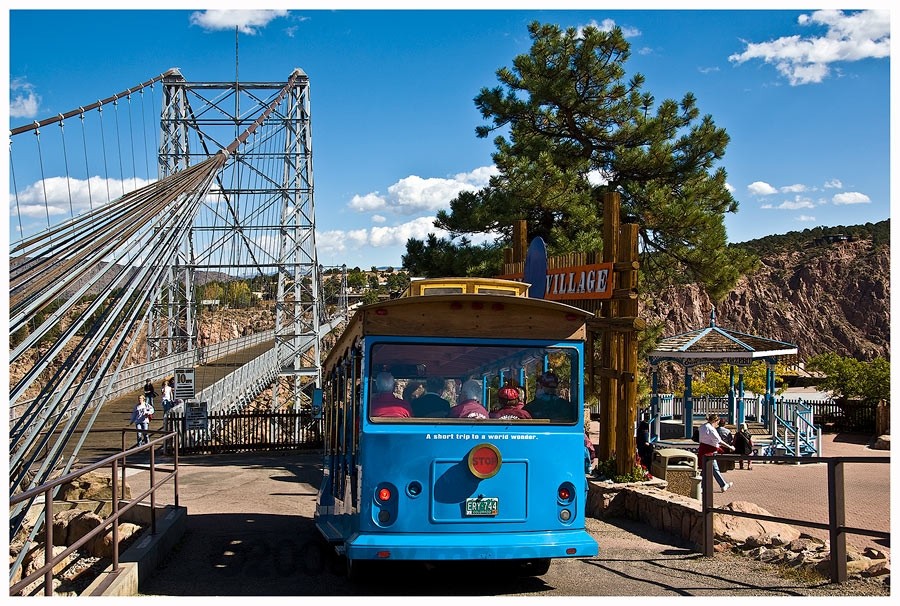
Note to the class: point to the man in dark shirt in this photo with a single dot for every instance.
(548, 405)
(431, 403)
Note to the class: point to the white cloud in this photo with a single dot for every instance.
(797, 203)
(850, 197)
(761, 188)
(849, 37)
(597, 177)
(793, 189)
(57, 195)
(23, 101)
(247, 21)
(415, 194)
(607, 25)
(338, 241)
(367, 203)
(804, 218)
(707, 70)
(834, 184)
(378, 219)
(730, 188)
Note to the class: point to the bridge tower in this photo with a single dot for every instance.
(260, 210)
(172, 326)
(298, 313)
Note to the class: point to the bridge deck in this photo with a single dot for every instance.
(116, 413)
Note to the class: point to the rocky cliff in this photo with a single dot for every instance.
(822, 296)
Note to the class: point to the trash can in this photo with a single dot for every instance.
(677, 467)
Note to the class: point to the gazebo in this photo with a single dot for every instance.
(715, 345)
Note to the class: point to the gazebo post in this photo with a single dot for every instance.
(740, 401)
(654, 402)
(731, 396)
(688, 402)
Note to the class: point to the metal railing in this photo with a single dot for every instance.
(836, 525)
(248, 431)
(132, 378)
(795, 433)
(236, 389)
(117, 463)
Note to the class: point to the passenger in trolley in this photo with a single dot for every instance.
(511, 407)
(470, 406)
(432, 403)
(547, 404)
(385, 403)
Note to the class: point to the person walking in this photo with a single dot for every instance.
(168, 395)
(710, 443)
(149, 392)
(743, 445)
(140, 418)
(644, 446)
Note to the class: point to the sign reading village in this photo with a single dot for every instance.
(592, 281)
(581, 282)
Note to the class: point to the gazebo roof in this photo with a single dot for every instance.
(714, 344)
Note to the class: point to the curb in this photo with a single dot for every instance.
(141, 559)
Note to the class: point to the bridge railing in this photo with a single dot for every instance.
(236, 389)
(132, 378)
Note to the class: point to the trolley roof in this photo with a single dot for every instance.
(486, 316)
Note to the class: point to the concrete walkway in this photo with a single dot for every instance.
(249, 528)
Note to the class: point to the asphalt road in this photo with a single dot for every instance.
(250, 533)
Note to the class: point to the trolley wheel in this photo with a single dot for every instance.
(359, 571)
(532, 568)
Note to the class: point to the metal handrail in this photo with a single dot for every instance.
(47, 491)
(837, 529)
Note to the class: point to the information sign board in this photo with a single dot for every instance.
(196, 415)
(184, 384)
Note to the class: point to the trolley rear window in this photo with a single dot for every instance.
(451, 383)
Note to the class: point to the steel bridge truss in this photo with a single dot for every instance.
(233, 202)
(258, 221)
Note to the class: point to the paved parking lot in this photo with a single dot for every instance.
(250, 532)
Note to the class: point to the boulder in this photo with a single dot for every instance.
(735, 529)
(91, 485)
(34, 559)
(102, 545)
(61, 522)
(82, 524)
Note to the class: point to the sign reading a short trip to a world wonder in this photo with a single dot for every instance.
(581, 282)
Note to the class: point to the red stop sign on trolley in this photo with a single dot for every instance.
(484, 461)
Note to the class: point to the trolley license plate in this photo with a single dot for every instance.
(484, 506)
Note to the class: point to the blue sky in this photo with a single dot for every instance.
(804, 96)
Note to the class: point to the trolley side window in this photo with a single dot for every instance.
(450, 383)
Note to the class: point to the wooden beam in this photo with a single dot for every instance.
(626, 416)
(628, 323)
(609, 386)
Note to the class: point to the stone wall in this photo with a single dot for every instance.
(650, 503)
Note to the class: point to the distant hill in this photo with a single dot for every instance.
(823, 289)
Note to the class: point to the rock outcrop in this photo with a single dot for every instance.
(823, 298)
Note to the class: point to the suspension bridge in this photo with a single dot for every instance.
(132, 216)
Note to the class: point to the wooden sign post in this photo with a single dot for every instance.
(612, 372)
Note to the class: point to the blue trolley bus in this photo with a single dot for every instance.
(425, 458)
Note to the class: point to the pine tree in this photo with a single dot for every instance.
(572, 128)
